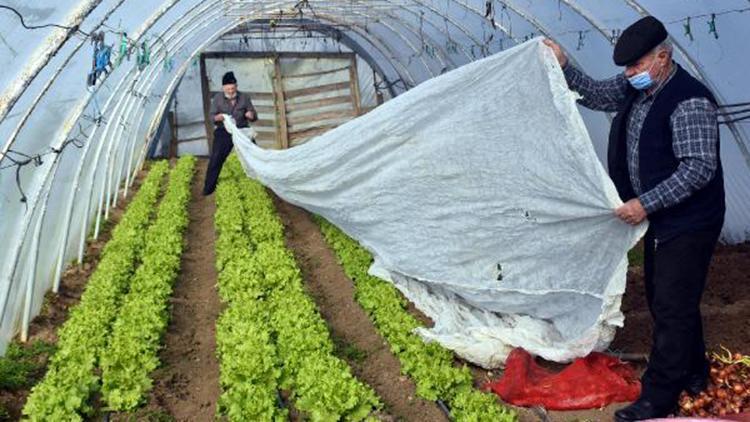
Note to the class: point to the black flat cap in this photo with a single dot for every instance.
(638, 39)
(228, 78)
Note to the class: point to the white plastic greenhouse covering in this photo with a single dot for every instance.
(67, 146)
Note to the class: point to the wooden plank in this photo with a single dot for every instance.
(313, 131)
(264, 123)
(209, 121)
(320, 73)
(354, 89)
(317, 89)
(329, 115)
(264, 109)
(254, 96)
(261, 96)
(265, 136)
(307, 105)
(278, 90)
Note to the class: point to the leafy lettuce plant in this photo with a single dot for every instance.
(430, 365)
(258, 271)
(71, 378)
(132, 352)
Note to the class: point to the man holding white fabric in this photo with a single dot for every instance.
(664, 160)
(237, 105)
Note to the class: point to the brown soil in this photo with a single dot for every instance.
(359, 344)
(186, 387)
(72, 283)
(725, 305)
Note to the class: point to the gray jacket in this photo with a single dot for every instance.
(220, 104)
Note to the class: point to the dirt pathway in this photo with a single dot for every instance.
(187, 385)
(355, 336)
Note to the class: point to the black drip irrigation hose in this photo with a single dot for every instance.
(541, 413)
(280, 400)
(444, 407)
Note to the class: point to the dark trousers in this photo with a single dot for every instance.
(675, 273)
(221, 149)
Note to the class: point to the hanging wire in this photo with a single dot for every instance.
(38, 159)
(74, 28)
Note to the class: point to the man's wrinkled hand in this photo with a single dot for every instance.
(559, 54)
(219, 118)
(632, 212)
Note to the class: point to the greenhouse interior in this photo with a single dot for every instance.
(394, 210)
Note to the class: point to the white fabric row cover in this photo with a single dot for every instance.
(503, 232)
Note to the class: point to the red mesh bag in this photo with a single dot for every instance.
(591, 382)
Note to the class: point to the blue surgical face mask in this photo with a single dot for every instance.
(643, 80)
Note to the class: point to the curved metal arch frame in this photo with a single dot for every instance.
(48, 84)
(99, 214)
(438, 30)
(54, 165)
(42, 193)
(334, 19)
(24, 231)
(6, 105)
(108, 186)
(355, 46)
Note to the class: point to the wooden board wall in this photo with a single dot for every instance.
(291, 116)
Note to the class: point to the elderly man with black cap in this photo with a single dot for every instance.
(664, 160)
(237, 105)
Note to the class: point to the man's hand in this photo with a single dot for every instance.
(219, 117)
(631, 212)
(250, 115)
(561, 57)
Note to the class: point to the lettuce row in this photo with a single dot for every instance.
(261, 273)
(132, 353)
(428, 364)
(70, 379)
(248, 364)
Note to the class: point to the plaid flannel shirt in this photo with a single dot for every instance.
(694, 127)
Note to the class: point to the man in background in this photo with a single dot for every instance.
(237, 105)
(664, 160)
